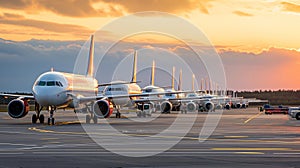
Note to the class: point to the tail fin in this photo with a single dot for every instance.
(134, 67)
(90, 70)
(193, 82)
(173, 79)
(201, 84)
(152, 73)
(180, 80)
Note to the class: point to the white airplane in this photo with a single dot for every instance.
(55, 90)
(155, 105)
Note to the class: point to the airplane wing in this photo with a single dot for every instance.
(117, 83)
(116, 96)
(27, 96)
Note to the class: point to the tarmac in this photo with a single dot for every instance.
(242, 138)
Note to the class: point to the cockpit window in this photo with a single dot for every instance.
(169, 94)
(41, 83)
(58, 83)
(50, 83)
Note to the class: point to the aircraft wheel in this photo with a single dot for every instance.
(87, 119)
(139, 114)
(298, 116)
(33, 118)
(51, 121)
(42, 119)
(95, 119)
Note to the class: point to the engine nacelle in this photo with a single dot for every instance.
(191, 106)
(166, 106)
(244, 105)
(18, 108)
(209, 106)
(227, 106)
(238, 105)
(103, 108)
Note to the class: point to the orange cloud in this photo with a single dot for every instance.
(103, 8)
(172, 6)
(240, 13)
(291, 7)
(71, 8)
(18, 20)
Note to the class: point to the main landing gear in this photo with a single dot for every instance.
(38, 116)
(91, 116)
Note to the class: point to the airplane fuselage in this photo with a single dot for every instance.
(56, 88)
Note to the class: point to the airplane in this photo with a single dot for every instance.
(59, 90)
(154, 105)
(173, 101)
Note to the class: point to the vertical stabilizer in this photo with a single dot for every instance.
(193, 82)
(134, 67)
(152, 73)
(173, 78)
(90, 70)
(201, 84)
(180, 80)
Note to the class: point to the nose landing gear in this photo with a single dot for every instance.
(51, 120)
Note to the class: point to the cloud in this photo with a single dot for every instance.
(271, 69)
(240, 13)
(291, 7)
(14, 19)
(172, 6)
(103, 8)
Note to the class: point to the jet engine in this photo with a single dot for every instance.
(191, 106)
(166, 107)
(227, 106)
(209, 106)
(18, 108)
(238, 105)
(244, 105)
(102, 108)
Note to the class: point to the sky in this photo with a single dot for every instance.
(258, 40)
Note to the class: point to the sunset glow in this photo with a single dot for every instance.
(246, 29)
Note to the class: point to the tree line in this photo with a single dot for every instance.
(279, 97)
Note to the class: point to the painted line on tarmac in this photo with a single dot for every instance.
(286, 153)
(252, 117)
(15, 153)
(250, 153)
(236, 136)
(251, 149)
(232, 139)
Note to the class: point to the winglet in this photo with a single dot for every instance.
(90, 70)
(134, 67)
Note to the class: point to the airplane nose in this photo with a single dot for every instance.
(45, 97)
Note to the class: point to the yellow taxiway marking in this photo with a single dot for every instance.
(251, 149)
(250, 153)
(236, 136)
(49, 139)
(253, 117)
